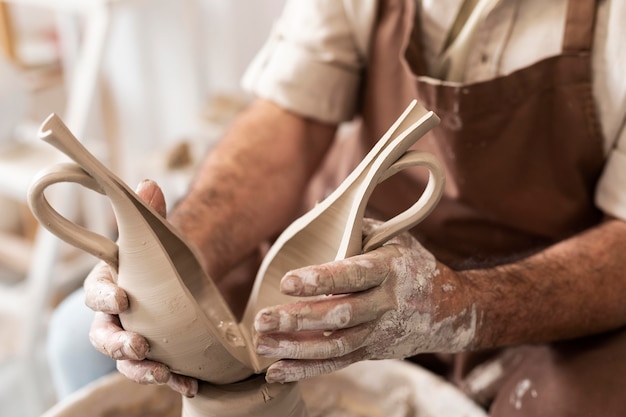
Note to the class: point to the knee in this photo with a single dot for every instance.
(68, 330)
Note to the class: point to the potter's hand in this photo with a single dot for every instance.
(108, 300)
(393, 302)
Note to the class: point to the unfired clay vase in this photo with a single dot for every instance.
(176, 306)
(253, 397)
(173, 303)
(332, 230)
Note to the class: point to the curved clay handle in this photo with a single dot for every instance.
(93, 243)
(422, 207)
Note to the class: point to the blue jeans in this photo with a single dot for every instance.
(74, 362)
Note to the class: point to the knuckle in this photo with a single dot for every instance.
(326, 282)
(341, 346)
(339, 316)
(358, 277)
(298, 323)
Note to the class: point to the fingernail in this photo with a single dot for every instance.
(134, 347)
(131, 352)
(291, 284)
(142, 185)
(266, 321)
(275, 375)
(117, 354)
(141, 189)
(110, 301)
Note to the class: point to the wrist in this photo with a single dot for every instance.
(457, 310)
(502, 300)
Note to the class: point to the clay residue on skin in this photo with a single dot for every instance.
(339, 316)
(309, 281)
(421, 333)
(306, 280)
(288, 348)
(412, 327)
(287, 321)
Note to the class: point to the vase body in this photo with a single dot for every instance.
(253, 397)
(164, 282)
(173, 303)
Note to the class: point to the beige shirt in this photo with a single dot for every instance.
(313, 61)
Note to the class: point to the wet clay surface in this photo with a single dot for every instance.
(386, 388)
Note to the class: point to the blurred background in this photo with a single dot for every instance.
(148, 86)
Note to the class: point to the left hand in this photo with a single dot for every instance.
(108, 300)
(393, 302)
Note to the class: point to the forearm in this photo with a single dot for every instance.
(571, 289)
(251, 183)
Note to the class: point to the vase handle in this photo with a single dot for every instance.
(420, 209)
(72, 233)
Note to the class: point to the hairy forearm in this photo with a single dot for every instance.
(250, 184)
(572, 289)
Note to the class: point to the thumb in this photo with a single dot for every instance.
(152, 194)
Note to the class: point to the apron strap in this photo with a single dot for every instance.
(580, 25)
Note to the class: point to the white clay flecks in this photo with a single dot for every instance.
(287, 348)
(289, 371)
(338, 317)
(309, 280)
(484, 376)
(285, 321)
(420, 333)
(148, 378)
(413, 326)
(521, 390)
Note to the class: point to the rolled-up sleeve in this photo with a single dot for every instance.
(312, 63)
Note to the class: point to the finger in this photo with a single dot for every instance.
(101, 293)
(149, 372)
(107, 336)
(152, 194)
(318, 345)
(329, 313)
(183, 384)
(354, 274)
(297, 370)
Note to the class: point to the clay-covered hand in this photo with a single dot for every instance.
(108, 300)
(392, 302)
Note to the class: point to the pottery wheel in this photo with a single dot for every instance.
(387, 388)
(366, 389)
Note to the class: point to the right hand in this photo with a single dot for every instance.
(107, 335)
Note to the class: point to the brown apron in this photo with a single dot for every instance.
(523, 153)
